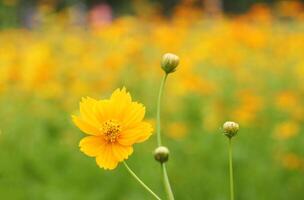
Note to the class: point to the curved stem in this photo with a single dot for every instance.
(167, 182)
(162, 85)
(140, 181)
(231, 171)
(159, 143)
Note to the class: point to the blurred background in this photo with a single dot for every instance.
(241, 60)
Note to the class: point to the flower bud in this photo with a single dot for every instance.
(161, 154)
(169, 62)
(230, 129)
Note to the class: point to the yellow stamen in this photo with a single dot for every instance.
(111, 130)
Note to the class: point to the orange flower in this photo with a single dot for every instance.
(286, 130)
(113, 126)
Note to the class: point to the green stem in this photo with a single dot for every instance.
(159, 143)
(162, 85)
(167, 182)
(231, 171)
(140, 181)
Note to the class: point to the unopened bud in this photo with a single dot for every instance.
(230, 129)
(169, 62)
(161, 154)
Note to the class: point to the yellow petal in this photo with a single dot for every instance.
(103, 111)
(120, 107)
(92, 145)
(88, 111)
(137, 134)
(119, 103)
(85, 127)
(121, 95)
(121, 152)
(133, 115)
(106, 158)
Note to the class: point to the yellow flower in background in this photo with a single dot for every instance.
(286, 130)
(177, 130)
(113, 126)
(287, 100)
(291, 161)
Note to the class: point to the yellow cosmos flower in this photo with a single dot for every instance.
(113, 126)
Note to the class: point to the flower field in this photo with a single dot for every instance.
(249, 69)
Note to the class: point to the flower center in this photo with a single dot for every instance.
(111, 130)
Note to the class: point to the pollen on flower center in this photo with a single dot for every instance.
(111, 130)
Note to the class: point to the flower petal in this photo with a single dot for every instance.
(133, 115)
(106, 158)
(119, 107)
(119, 103)
(103, 110)
(88, 111)
(85, 127)
(121, 95)
(138, 133)
(92, 145)
(121, 152)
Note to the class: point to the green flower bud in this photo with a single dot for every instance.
(161, 154)
(230, 129)
(169, 62)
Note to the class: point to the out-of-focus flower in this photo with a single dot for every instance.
(100, 15)
(291, 161)
(286, 130)
(261, 13)
(177, 130)
(114, 125)
(250, 105)
(286, 100)
(289, 8)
